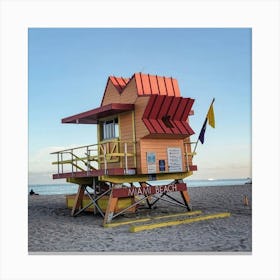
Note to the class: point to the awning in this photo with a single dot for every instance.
(92, 116)
(167, 116)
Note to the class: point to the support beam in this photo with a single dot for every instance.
(186, 199)
(119, 179)
(185, 196)
(81, 181)
(78, 199)
(112, 203)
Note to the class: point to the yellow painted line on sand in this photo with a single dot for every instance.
(180, 222)
(191, 213)
(126, 222)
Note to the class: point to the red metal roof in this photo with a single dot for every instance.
(92, 116)
(153, 84)
(119, 82)
(168, 115)
(147, 84)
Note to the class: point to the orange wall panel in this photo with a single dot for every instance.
(126, 135)
(140, 128)
(125, 122)
(111, 95)
(140, 106)
(159, 147)
(129, 94)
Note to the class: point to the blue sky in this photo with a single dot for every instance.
(68, 70)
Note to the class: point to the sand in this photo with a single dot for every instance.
(51, 229)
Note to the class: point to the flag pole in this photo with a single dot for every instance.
(203, 123)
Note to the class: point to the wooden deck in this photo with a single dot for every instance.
(95, 173)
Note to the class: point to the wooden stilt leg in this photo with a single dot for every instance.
(185, 196)
(94, 195)
(149, 198)
(186, 199)
(112, 203)
(78, 199)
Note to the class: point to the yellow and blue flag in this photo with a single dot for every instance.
(211, 121)
(211, 116)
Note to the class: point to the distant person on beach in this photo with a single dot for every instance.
(32, 192)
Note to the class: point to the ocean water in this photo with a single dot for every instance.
(68, 188)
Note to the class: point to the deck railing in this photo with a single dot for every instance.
(189, 155)
(104, 156)
(96, 156)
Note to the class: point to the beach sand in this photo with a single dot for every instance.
(51, 229)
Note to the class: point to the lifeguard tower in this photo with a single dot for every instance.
(143, 136)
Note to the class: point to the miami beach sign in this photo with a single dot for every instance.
(148, 190)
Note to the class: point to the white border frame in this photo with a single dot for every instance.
(262, 16)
